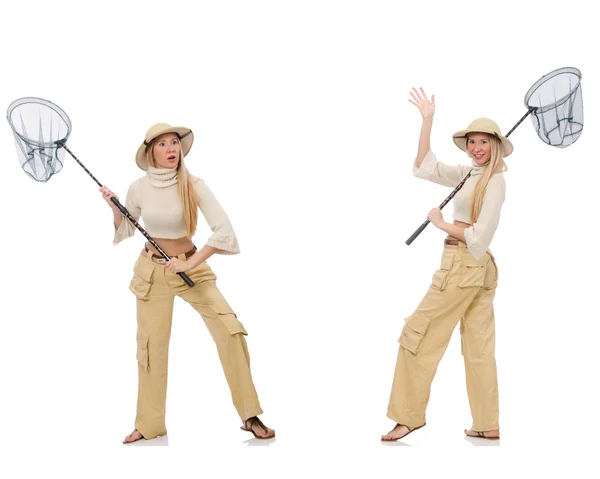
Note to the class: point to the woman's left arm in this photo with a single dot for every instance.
(203, 254)
(479, 235)
(175, 265)
(223, 239)
(436, 218)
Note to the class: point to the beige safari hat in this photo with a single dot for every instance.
(482, 125)
(186, 137)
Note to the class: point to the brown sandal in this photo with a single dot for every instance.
(410, 429)
(482, 435)
(252, 421)
(138, 439)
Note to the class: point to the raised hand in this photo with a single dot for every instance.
(425, 106)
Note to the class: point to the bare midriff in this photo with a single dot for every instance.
(458, 223)
(172, 247)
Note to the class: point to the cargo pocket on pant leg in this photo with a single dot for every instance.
(441, 276)
(413, 332)
(142, 351)
(142, 279)
(229, 319)
(472, 274)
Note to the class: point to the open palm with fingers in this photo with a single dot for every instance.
(425, 106)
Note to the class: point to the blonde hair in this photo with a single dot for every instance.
(495, 165)
(185, 186)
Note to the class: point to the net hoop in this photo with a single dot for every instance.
(573, 74)
(13, 108)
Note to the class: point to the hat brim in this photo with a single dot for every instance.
(460, 139)
(186, 137)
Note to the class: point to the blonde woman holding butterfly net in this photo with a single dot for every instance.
(168, 198)
(463, 288)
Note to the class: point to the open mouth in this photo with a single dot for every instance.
(171, 157)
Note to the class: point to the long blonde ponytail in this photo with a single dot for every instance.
(495, 165)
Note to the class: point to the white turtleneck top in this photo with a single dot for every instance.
(480, 234)
(155, 198)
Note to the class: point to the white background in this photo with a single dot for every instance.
(305, 135)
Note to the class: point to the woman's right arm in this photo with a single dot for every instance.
(123, 228)
(427, 110)
(426, 165)
(424, 140)
(106, 196)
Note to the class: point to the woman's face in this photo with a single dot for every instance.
(166, 150)
(479, 147)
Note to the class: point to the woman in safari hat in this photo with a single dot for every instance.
(168, 198)
(463, 288)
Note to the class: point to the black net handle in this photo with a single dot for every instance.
(126, 213)
(420, 229)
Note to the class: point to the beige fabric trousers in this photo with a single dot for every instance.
(462, 290)
(155, 288)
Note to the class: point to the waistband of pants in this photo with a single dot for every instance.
(159, 259)
(454, 242)
(462, 246)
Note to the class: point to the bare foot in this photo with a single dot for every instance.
(256, 427)
(134, 436)
(399, 432)
(494, 434)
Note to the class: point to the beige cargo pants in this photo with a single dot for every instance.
(462, 290)
(155, 288)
